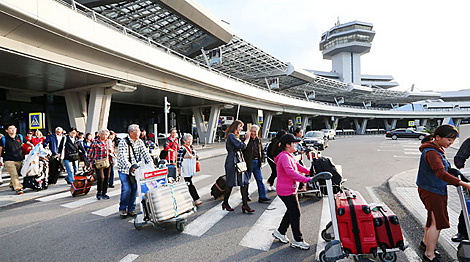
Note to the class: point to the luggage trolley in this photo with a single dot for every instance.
(334, 249)
(150, 180)
(463, 250)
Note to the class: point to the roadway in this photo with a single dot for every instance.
(58, 227)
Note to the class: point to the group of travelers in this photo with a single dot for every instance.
(245, 155)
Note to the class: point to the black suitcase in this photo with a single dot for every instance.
(38, 182)
(172, 171)
(218, 189)
(324, 164)
(54, 165)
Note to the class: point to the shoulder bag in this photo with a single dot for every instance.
(198, 164)
(104, 162)
(241, 166)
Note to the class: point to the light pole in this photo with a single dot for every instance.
(167, 111)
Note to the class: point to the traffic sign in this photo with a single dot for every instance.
(36, 121)
(411, 123)
(298, 120)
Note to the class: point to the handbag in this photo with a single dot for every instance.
(198, 166)
(241, 166)
(102, 163)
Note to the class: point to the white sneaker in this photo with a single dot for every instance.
(197, 202)
(302, 244)
(270, 188)
(280, 236)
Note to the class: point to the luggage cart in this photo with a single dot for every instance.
(149, 180)
(312, 188)
(463, 250)
(334, 250)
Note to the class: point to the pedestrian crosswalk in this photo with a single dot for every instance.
(258, 235)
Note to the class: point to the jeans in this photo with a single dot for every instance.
(128, 193)
(291, 217)
(255, 169)
(111, 176)
(68, 166)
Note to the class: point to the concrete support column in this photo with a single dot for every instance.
(207, 131)
(267, 119)
(394, 124)
(305, 122)
(327, 123)
(98, 109)
(254, 118)
(360, 127)
(76, 109)
(387, 125)
(335, 123)
(424, 122)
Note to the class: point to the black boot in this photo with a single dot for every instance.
(225, 205)
(245, 207)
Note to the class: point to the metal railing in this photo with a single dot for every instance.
(90, 13)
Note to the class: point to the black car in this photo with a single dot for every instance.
(405, 133)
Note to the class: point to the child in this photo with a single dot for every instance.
(432, 181)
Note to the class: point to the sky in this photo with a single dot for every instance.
(425, 43)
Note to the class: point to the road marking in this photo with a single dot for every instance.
(260, 234)
(204, 222)
(198, 178)
(412, 153)
(410, 253)
(325, 218)
(413, 149)
(107, 211)
(64, 194)
(88, 200)
(409, 157)
(129, 258)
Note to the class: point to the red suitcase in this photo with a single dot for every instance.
(82, 184)
(355, 223)
(387, 228)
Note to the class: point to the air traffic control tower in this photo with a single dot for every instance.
(344, 44)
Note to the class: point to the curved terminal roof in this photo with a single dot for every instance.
(186, 27)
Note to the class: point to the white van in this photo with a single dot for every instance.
(329, 133)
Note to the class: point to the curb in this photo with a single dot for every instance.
(393, 184)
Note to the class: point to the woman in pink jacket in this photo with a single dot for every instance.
(288, 179)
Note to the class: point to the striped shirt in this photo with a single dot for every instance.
(140, 151)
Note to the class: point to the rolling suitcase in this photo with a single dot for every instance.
(172, 171)
(166, 202)
(355, 223)
(38, 182)
(387, 228)
(218, 189)
(82, 183)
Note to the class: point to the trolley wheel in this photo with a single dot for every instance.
(180, 226)
(137, 225)
(388, 257)
(325, 235)
(322, 256)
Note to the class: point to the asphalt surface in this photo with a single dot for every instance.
(63, 229)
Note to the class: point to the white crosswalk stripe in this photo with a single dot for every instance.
(259, 236)
(203, 223)
(88, 200)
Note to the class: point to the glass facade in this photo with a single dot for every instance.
(345, 39)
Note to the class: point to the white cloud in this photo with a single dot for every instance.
(418, 42)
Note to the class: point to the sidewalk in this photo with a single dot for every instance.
(8, 197)
(403, 186)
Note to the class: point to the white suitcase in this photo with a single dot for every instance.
(166, 202)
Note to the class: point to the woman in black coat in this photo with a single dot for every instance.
(233, 178)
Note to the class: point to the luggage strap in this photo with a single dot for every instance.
(387, 227)
(355, 228)
(175, 205)
(220, 189)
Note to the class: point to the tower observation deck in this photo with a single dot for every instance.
(344, 44)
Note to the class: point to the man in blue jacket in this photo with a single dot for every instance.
(10, 150)
(56, 143)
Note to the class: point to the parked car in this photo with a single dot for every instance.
(316, 139)
(330, 133)
(405, 133)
